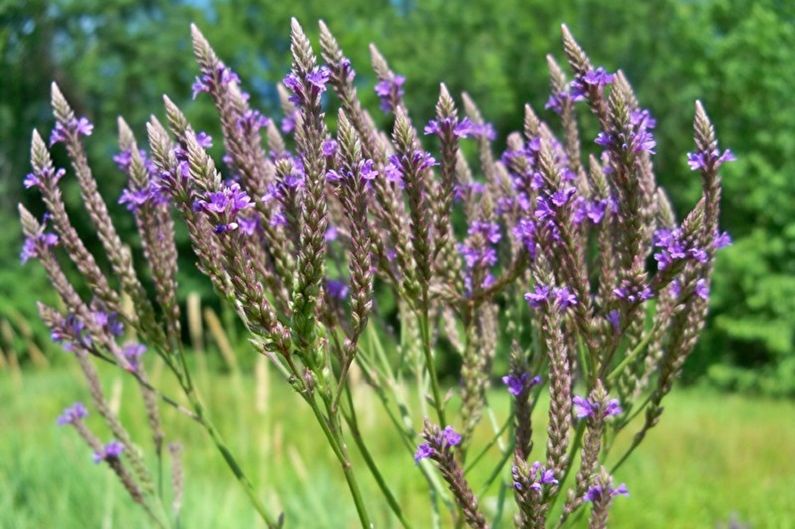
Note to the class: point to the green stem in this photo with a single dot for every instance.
(340, 450)
(426, 348)
(232, 463)
(488, 446)
(353, 424)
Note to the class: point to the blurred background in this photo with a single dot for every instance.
(114, 57)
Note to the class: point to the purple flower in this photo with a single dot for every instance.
(366, 170)
(518, 383)
(596, 492)
(74, 127)
(307, 90)
(525, 231)
(336, 289)
(673, 248)
(331, 233)
(424, 451)
(722, 240)
(133, 200)
(204, 140)
(614, 319)
(132, 353)
(592, 210)
(702, 289)
(224, 206)
(450, 436)
(464, 128)
(633, 293)
(47, 175)
(390, 91)
(211, 81)
(538, 475)
(33, 246)
(329, 147)
(538, 297)
(597, 78)
(709, 160)
(564, 298)
(288, 122)
(111, 451)
(584, 407)
(72, 414)
(109, 321)
(561, 197)
(251, 121)
(248, 225)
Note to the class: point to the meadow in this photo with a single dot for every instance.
(714, 460)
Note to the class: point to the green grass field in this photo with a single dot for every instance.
(713, 457)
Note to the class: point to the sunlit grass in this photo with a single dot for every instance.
(712, 456)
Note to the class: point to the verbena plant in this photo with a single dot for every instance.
(578, 269)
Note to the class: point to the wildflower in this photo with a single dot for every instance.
(424, 451)
(307, 90)
(251, 121)
(74, 127)
(637, 139)
(584, 408)
(437, 442)
(536, 477)
(562, 297)
(72, 414)
(47, 175)
(110, 452)
(204, 140)
(702, 289)
(596, 492)
(525, 231)
(710, 160)
(33, 246)
(519, 383)
(336, 289)
(594, 78)
(224, 206)
(390, 91)
(633, 293)
(109, 321)
(329, 148)
(210, 81)
(132, 353)
(288, 122)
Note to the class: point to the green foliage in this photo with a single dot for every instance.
(119, 56)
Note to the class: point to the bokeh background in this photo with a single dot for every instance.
(114, 57)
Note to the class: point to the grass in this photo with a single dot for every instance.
(712, 457)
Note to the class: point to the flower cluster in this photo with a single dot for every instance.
(48, 175)
(309, 88)
(365, 170)
(597, 492)
(211, 81)
(72, 414)
(562, 298)
(224, 207)
(593, 79)
(536, 477)
(464, 128)
(445, 439)
(519, 383)
(110, 452)
(638, 138)
(70, 129)
(584, 408)
(390, 91)
(710, 160)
